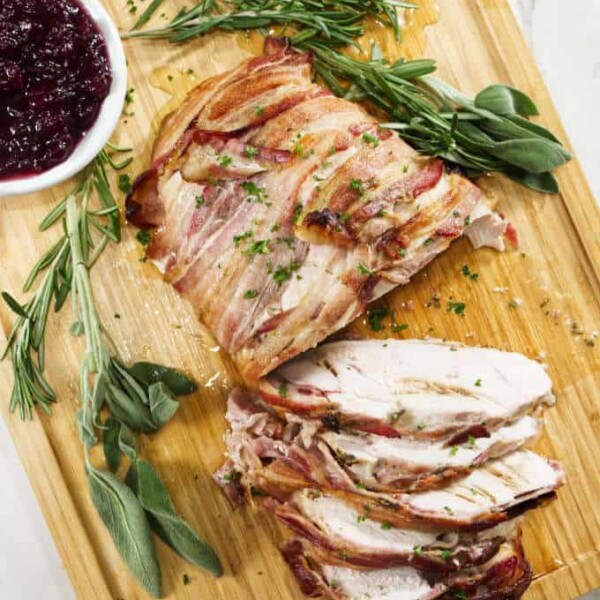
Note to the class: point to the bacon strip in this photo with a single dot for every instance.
(269, 192)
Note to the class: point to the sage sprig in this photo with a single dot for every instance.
(128, 509)
(490, 133)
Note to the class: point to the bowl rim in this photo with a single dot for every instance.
(96, 137)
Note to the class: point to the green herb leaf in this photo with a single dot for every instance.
(124, 183)
(128, 526)
(532, 155)
(149, 373)
(162, 403)
(112, 454)
(147, 14)
(14, 305)
(130, 411)
(173, 530)
(505, 100)
(128, 443)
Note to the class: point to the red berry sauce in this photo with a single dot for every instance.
(54, 76)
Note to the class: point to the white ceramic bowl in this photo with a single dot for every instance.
(95, 139)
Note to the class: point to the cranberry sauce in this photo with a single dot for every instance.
(54, 76)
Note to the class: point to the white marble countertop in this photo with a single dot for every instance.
(566, 44)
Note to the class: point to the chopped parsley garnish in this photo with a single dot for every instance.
(186, 579)
(334, 584)
(448, 510)
(255, 193)
(275, 228)
(361, 519)
(401, 252)
(358, 186)
(332, 150)
(225, 160)
(250, 152)
(478, 383)
(360, 485)
(457, 308)
(364, 270)
(428, 241)
(418, 549)
(199, 201)
(471, 442)
(446, 554)
(453, 450)
(466, 271)
(460, 595)
(232, 476)
(144, 237)
(283, 391)
(398, 327)
(456, 214)
(260, 110)
(467, 220)
(421, 426)
(282, 274)
(376, 317)
(297, 213)
(370, 139)
(124, 183)
(249, 294)
(395, 417)
(238, 239)
(405, 169)
(258, 247)
(299, 150)
(386, 526)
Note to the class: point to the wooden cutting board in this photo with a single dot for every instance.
(477, 42)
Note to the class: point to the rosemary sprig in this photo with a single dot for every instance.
(139, 399)
(490, 133)
(26, 342)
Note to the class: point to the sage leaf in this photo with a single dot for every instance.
(14, 305)
(87, 430)
(76, 329)
(128, 381)
(543, 182)
(128, 526)
(176, 381)
(110, 443)
(129, 410)
(505, 100)
(533, 127)
(534, 155)
(128, 443)
(162, 403)
(172, 529)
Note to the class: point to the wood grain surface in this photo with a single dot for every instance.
(477, 42)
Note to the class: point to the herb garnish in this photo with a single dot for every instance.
(364, 270)
(457, 308)
(376, 317)
(358, 186)
(370, 139)
(250, 152)
(224, 160)
(466, 271)
(489, 133)
(250, 294)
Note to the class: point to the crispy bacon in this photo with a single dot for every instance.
(267, 191)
